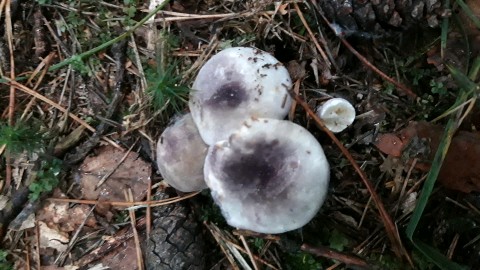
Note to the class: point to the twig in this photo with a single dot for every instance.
(400, 86)
(222, 243)
(249, 252)
(110, 244)
(50, 102)
(129, 204)
(11, 104)
(364, 60)
(296, 89)
(195, 17)
(37, 239)
(325, 252)
(11, 209)
(138, 249)
(76, 58)
(256, 257)
(8, 30)
(43, 67)
(119, 51)
(62, 257)
(390, 227)
(108, 174)
(453, 245)
(148, 214)
(312, 36)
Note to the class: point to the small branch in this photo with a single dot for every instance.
(390, 227)
(399, 85)
(349, 260)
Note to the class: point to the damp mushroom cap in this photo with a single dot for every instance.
(337, 114)
(181, 154)
(270, 176)
(234, 85)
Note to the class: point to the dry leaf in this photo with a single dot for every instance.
(53, 267)
(67, 219)
(460, 170)
(132, 173)
(52, 238)
(122, 258)
(390, 144)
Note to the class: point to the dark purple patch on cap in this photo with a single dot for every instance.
(228, 96)
(258, 170)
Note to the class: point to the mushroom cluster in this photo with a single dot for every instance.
(266, 174)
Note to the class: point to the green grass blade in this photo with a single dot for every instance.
(469, 13)
(474, 70)
(467, 89)
(431, 177)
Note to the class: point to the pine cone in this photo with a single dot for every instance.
(381, 16)
(176, 241)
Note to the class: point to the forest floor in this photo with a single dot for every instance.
(89, 86)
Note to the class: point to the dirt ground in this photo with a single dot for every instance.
(89, 86)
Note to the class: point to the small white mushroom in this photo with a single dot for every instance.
(337, 114)
(234, 85)
(181, 154)
(270, 176)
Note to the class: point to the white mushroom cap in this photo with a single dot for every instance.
(270, 176)
(181, 154)
(234, 85)
(337, 114)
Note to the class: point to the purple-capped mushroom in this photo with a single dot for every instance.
(270, 176)
(181, 154)
(234, 85)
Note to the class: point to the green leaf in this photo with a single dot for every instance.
(338, 240)
(47, 179)
(20, 137)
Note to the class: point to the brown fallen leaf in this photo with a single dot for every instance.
(52, 238)
(132, 173)
(390, 144)
(122, 258)
(66, 218)
(460, 170)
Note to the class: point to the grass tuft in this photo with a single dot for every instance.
(164, 89)
(20, 137)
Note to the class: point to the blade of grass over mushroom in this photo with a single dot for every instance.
(467, 89)
(390, 227)
(469, 13)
